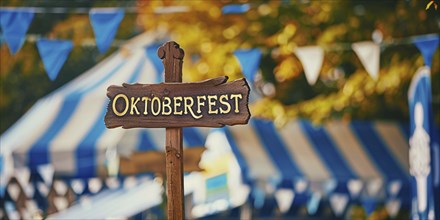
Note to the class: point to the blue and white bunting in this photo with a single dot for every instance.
(311, 58)
(249, 61)
(54, 54)
(369, 55)
(427, 46)
(105, 23)
(15, 23)
(369, 204)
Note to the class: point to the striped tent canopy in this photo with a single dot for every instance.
(66, 128)
(338, 162)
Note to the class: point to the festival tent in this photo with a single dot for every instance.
(334, 165)
(66, 129)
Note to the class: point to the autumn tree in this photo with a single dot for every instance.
(344, 90)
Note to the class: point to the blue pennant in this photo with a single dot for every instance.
(105, 23)
(53, 53)
(249, 61)
(369, 205)
(157, 63)
(235, 9)
(427, 46)
(15, 23)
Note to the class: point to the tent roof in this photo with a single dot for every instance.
(66, 128)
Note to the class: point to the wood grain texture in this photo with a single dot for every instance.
(217, 86)
(154, 161)
(172, 58)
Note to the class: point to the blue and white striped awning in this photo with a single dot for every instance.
(66, 128)
(120, 203)
(361, 160)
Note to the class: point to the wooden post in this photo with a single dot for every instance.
(210, 103)
(172, 58)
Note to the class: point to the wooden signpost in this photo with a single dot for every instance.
(173, 105)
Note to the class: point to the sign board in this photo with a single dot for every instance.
(173, 105)
(210, 103)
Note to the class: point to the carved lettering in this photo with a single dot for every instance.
(126, 105)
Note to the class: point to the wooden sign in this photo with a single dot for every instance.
(173, 105)
(211, 103)
(154, 161)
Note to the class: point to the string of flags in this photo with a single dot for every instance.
(105, 22)
(15, 23)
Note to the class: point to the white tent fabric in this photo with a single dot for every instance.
(115, 204)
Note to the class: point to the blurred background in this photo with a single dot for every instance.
(332, 109)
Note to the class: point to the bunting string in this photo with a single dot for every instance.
(128, 9)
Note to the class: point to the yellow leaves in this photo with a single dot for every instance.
(264, 9)
(288, 68)
(231, 32)
(330, 34)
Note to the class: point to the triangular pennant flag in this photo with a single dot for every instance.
(355, 187)
(300, 186)
(46, 172)
(157, 63)
(53, 53)
(369, 205)
(369, 54)
(43, 189)
(15, 23)
(112, 182)
(249, 61)
(235, 9)
(374, 186)
(77, 186)
(311, 58)
(95, 185)
(394, 188)
(393, 207)
(60, 203)
(338, 203)
(284, 198)
(427, 46)
(105, 23)
(60, 187)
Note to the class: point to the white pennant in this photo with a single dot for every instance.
(355, 187)
(46, 172)
(374, 186)
(369, 54)
(311, 58)
(394, 187)
(284, 198)
(338, 203)
(393, 207)
(300, 186)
